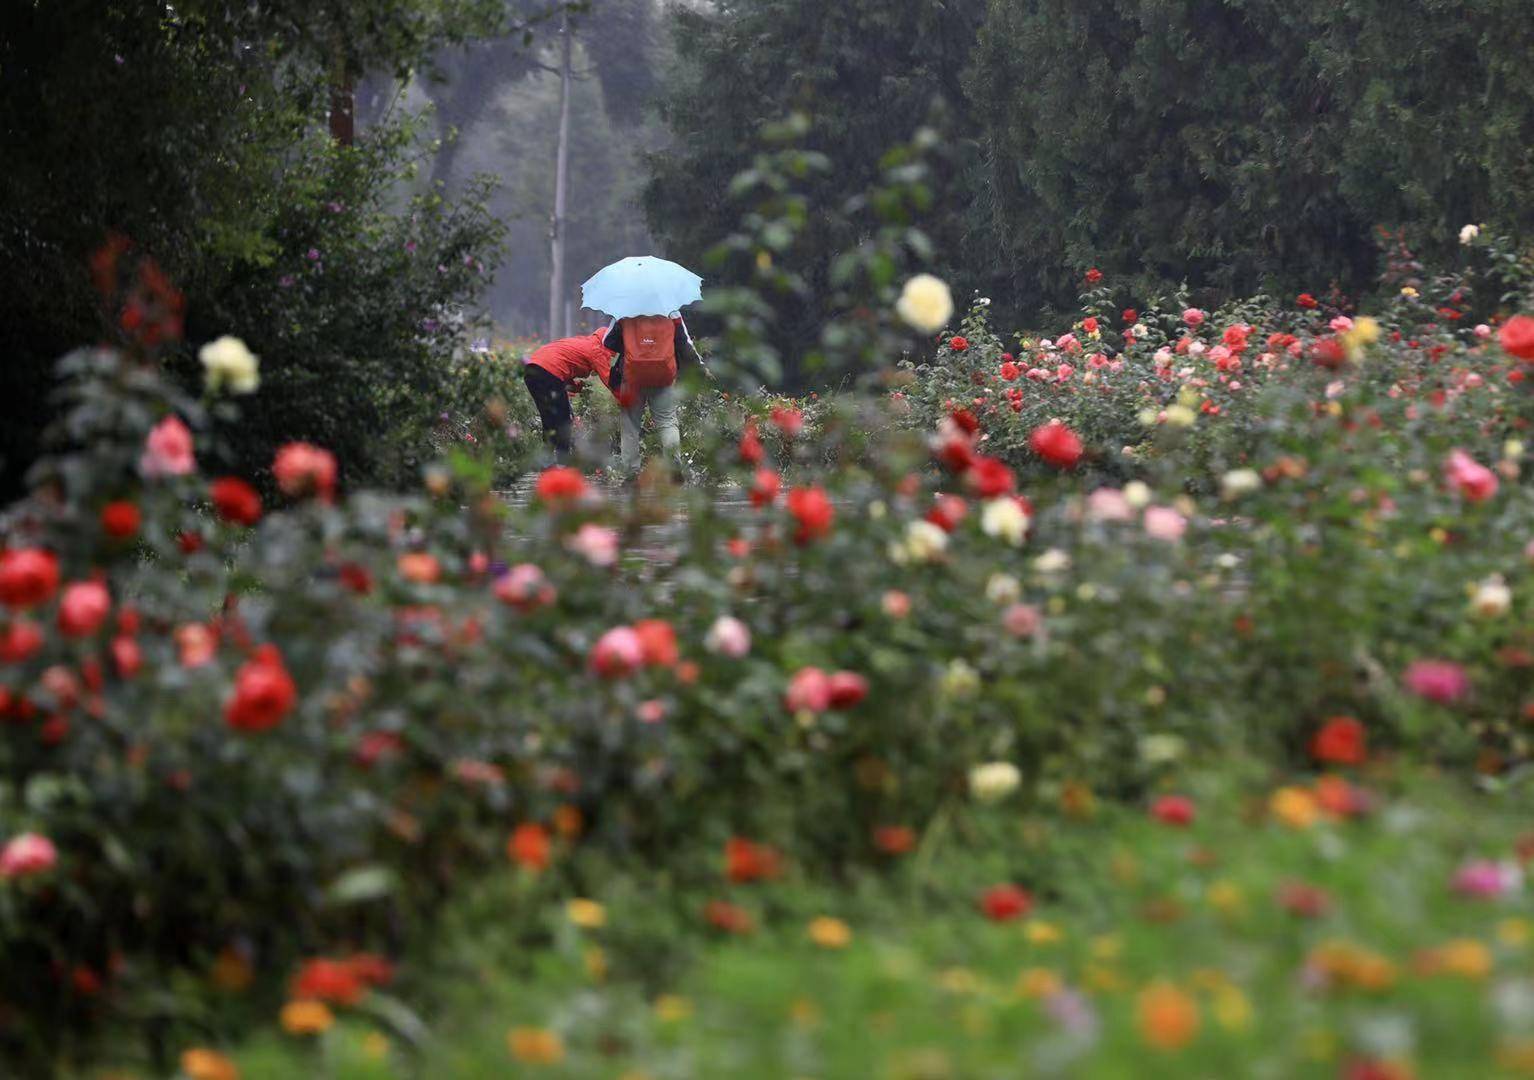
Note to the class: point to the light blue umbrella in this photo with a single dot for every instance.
(641, 285)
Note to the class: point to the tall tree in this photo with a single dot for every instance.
(866, 73)
(1245, 144)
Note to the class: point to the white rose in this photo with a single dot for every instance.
(924, 542)
(994, 781)
(1491, 598)
(1469, 233)
(1053, 561)
(925, 303)
(1003, 589)
(1004, 519)
(1137, 494)
(1239, 482)
(228, 362)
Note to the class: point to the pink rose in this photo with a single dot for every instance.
(1108, 504)
(1469, 477)
(617, 653)
(524, 587)
(1442, 681)
(1193, 317)
(1482, 879)
(1022, 620)
(305, 469)
(596, 543)
(168, 450)
(1341, 324)
(728, 637)
(26, 855)
(1164, 523)
(83, 608)
(809, 689)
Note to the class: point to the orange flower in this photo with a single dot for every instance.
(1294, 807)
(420, 567)
(306, 1018)
(1168, 1017)
(568, 821)
(529, 846)
(201, 1064)
(535, 1046)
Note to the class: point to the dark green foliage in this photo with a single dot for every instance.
(1246, 144)
(866, 75)
(196, 133)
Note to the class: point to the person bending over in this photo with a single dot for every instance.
(550, 372)
(647, 348)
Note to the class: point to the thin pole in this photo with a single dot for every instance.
(557, 312)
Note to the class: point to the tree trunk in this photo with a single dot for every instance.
(343, 123)
(561, 168)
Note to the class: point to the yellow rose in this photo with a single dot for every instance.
(587, 914)
(1294, 807)
(830, 933)
(306, 1018)
(227, 361)
(201, 1064)
(925, 303)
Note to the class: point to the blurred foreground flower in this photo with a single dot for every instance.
(925, 303)
(994, 781)
(829, 933)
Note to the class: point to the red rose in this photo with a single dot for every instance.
(120, 520)
(529, 846)
(333, 981)
(1328, 353)
(1306, 901)
(958, 344)
(1130, 316)
(83, 608)
(28, 577)
(847, 689)
(751, 452)
(1009, 371)
(1305, 300)
(812, 509)
(1173, 810)
(746, 861)
(965, 421)
(127, 656)
(765, 486)
(1089, 324)
(304, 469)
(657, 641)
(560, 485)
(947, 512)
(1340, 741)
(1094, 275)
(1517, 337)
(789, 421)
(895, 839)
(264, 692)
(730, 918)
(235, 501)
(1003, 903)
(990, 477)
(20, 642)
(1056, 444)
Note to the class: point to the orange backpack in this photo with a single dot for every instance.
(649, 352)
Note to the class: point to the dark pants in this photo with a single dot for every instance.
(553, 406)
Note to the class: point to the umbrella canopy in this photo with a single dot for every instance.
(641, 285)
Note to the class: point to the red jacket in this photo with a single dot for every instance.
(575, 357)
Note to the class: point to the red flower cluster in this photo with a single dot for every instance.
(235, 501)
(789, 421)
(1340, 741)
(1175, 810)
(812, 509)
(1517, 337)
(28, 577)
(303, 469)
(811, 689)
(746, 861)
(751, 452)
(1056, 444)
(341, 982)
(1003, 903)
(264, 693)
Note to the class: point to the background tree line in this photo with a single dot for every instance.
(1237, 145)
